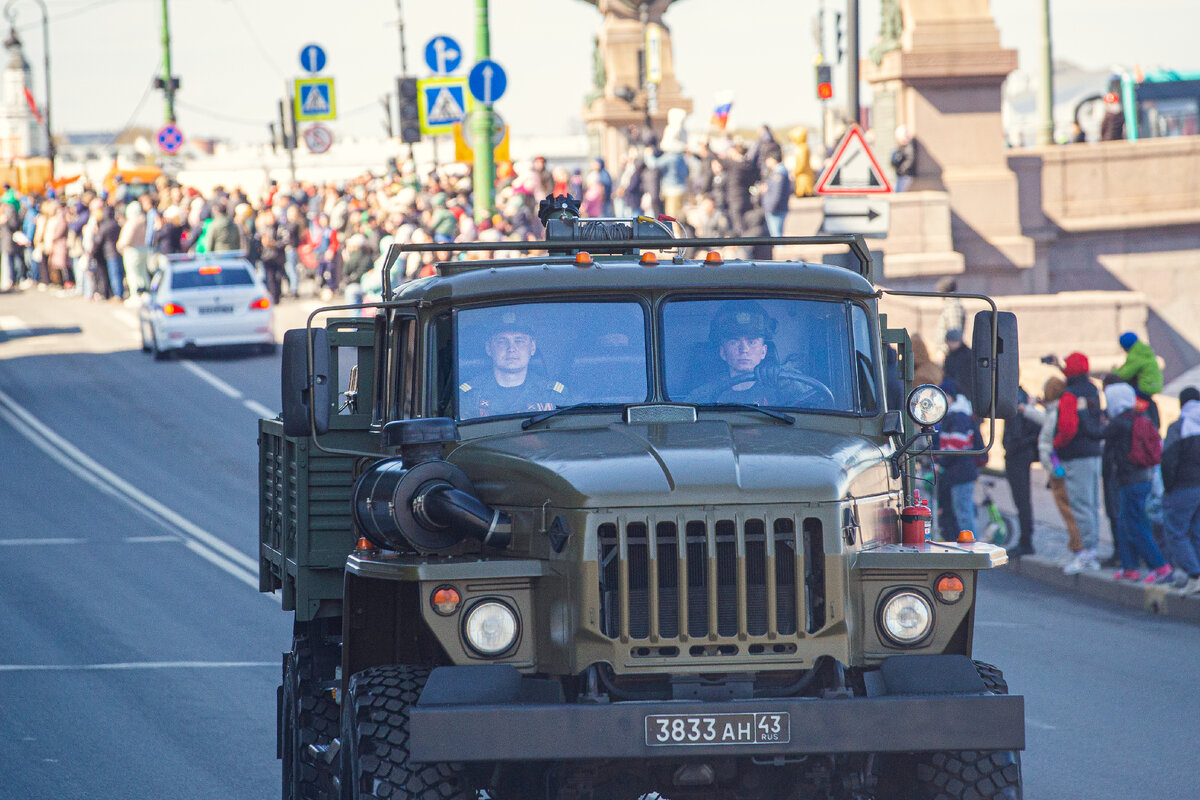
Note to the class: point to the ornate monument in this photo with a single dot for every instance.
(618, 102)
(941, 79)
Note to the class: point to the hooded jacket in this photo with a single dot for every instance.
(1078, 432)
(1181, 452)
(1118, 435)
(1141, 369)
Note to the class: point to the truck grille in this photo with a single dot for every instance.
(664, 581)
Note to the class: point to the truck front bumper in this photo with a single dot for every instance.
(494, 714)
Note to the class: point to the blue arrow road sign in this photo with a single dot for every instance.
(443, 55)
(487, 81)
(312, 58)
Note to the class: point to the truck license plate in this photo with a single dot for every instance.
(683, 729)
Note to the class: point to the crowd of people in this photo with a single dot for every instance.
(1101, 448)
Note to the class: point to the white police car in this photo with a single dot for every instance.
(206, 300)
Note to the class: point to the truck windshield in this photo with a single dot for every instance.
(784, 353)
(523, 358)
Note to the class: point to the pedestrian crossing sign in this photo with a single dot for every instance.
(314, 99)
(443, 102)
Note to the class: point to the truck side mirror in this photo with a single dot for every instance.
(306, 393)
(1003, 365)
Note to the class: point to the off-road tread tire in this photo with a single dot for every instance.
(317, 720)
(970, 774)
(375, 735)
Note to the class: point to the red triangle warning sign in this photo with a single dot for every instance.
(853, 169)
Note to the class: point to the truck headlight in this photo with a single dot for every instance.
(906, 617)
(490, 628)
(927, 404)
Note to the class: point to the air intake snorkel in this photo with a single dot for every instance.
(417, 500)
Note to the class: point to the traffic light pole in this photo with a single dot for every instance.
(481, 126)
(1045, 102)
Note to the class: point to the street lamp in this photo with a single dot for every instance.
(11, 16)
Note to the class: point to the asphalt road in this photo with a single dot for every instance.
(138, 660)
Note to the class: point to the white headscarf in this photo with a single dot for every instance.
(1190, 414)
(1119, 398)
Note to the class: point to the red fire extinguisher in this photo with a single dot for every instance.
(915, 521)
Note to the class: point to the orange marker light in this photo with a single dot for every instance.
(966, 537)
(445, 600)
(210, 270)
(583, 259)
(171, 309)
(261, 303)
(713, 259)
(364, 544)
(949, 588)
(649, 260)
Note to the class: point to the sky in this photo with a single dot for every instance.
(234, 57)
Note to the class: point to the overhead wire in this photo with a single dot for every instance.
(137, 109)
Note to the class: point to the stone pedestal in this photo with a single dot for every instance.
(944, 84)
(611, 119)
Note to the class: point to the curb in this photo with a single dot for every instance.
(1153, 599)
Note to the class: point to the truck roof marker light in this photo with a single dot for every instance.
(583, 259)
(949, 588)
(648, 259)
(713, 259)
(966, 537)
(445, 600)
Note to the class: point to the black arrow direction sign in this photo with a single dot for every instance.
(870, 215)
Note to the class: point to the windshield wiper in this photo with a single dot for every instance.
(545, 415)
(770, 412)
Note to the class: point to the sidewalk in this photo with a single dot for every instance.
(1050, 544)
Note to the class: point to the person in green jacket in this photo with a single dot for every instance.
(1141, 366)
(1141, 370)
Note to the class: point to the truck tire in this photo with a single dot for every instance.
(959, 775)
(308, 718)
(375, 741)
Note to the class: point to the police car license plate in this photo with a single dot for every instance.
(216, 309)
(691, 729)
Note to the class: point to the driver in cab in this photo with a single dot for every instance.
(509, 387)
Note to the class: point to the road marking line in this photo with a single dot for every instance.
(260, 409)
(29, 542)
(14, 325)
(206, 376)
(200, 541)
(137, 665)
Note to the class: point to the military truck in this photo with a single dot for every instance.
(622, 515)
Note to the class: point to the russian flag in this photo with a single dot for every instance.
(720, 115)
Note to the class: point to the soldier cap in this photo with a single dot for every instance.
(738, 318)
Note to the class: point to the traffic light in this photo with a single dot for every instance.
(410, 122)
(824, 82)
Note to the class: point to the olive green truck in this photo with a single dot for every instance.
(622, 516)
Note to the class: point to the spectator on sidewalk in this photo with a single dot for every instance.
(1077, 443)
(957, 473)
(1052, 392)
(925, 371)
(1140, 370)
(1134, 537)
(1181, 484)
(959, 364)
(1020, 451)
(953, 316)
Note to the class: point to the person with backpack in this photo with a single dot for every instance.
(956, 474)
(1181, 485)
(1077, 442)
(1136, 450)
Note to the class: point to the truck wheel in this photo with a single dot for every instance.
(308, 718)
(965, 775)
(375, 741)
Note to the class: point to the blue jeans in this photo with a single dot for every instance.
(775, 223)
(1181, 517)
(963, 498)
(116, 276)
(1134, 537)
(291, 258)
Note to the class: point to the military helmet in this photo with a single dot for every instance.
(738, 318)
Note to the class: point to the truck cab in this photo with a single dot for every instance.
(623, 515)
